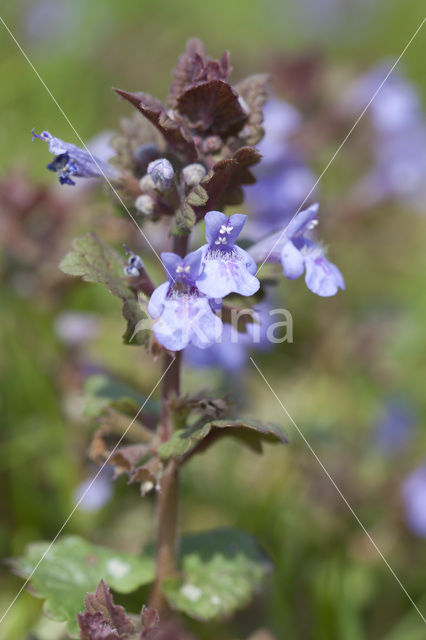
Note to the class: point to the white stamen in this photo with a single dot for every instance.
(221, 240)
(313, 223)
(181, 269)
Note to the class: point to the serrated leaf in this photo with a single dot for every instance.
(195, 66)
(103, 619)
(176, 136)
(186, 441)
(72, 567)
(95, 261)
(212, 106)
(221, 570)
(223, 182)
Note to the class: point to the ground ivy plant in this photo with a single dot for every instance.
(179, 164)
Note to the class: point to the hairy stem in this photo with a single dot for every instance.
(167, 535)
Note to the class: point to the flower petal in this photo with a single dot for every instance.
(226, 272)
(171, 262)
(292, 260)
(185, 320)
(214, 220)
(301, 221)
(246, 257)
(157, 300)
(194, 260)
(323, 277)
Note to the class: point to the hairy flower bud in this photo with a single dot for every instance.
(146, 183)
(193, 174)
(144, 154)
(162, 173)
(145, 204)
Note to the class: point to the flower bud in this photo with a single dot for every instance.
(145, 204)
(162, 173)
(144, 154)
(146, 183)
(212, 144)
(134, 264)
(193, 174)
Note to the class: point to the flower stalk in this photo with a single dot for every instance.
(167, 522)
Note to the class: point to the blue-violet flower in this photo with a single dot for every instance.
(72, 161)
(226, 267)
(298, 252)
(182, 311)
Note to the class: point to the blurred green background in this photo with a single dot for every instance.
(351, 354)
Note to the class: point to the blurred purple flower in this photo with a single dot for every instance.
(71, 161)
(231, 352)
(414, 498)
(326, 17)
(399, 139)
(94, 492)
(51, 21)
(226, 267)
(75, 327)
(182, 311)
(283, 179)
(394, 429)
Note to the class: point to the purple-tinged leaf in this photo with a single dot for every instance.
(212, 107)
(193, 67)
(223, 183)
(174, 133)
(103, 620)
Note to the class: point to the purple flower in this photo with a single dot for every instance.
(280, 121)
(72, 161)
(183, 313)
(75, 328)
(283, 178)
(394, 429)
(231, 352)
(298, 252)
(396, 106)
(399, 139)
(94, 492)
(226, 267)
(135, 264)
(414, 499)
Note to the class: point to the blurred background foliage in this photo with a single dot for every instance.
(357, 360)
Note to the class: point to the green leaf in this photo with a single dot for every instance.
(221, 570)
(101, 392)
(95, 261)
(252, 433)
(73, 567)
(185, 218)
(197, 196)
